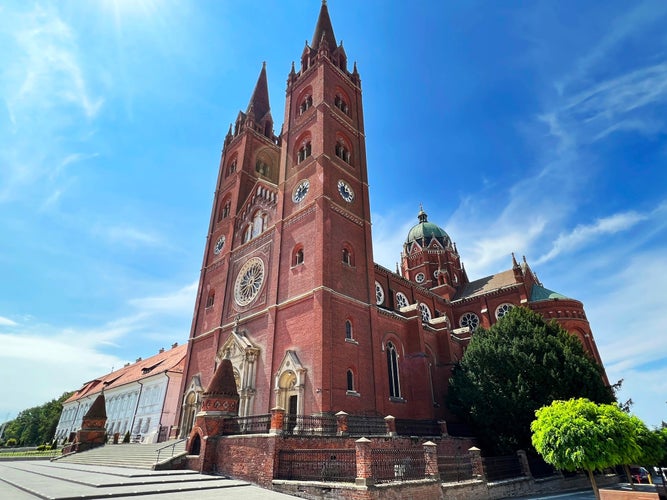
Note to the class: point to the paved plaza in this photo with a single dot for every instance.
(24, 480)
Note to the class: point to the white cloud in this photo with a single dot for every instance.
(46, 367)
(47, 92)
(583, 235)
(642, 16)
(51, 360)
(7, 322)
(127, 235)
(177, 303)
(48, 73)
(626, 312)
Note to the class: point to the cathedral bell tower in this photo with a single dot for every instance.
(326, 251)
(288, 271)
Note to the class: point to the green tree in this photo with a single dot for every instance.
(651, 442)
(579, 434)
(515, 367)
(36, 425)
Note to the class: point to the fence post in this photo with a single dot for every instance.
(277, 420)
(443, 428)
(390, 424)
(341, 424)
(364, 462)
(477, 464)
(525, 466)
(431, 460)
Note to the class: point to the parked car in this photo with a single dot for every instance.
(639, 475)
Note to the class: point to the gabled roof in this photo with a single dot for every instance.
(172, 360)
(538, 293)
(487, 284)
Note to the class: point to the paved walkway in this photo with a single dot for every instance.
(23, 480)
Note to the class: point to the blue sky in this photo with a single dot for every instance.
(530, 127)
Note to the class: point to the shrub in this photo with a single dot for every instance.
(11, 442)
(126, 438)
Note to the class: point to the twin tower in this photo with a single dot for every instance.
(289, 292)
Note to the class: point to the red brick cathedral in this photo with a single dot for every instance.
(289, 292)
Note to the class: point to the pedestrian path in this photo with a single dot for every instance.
(22, 480)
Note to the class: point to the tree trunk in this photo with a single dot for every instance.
(595, 486)
(626, 468)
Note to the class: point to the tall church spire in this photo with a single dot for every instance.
(259, 102)
(324, 30)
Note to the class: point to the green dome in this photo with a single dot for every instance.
(423, 232)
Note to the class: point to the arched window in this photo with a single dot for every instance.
(210, 300)
(262, 167)
(297, 256)
(306, 104)
(343, 151)
(224, 209)
(392, 369)
(259, 221)
(348, 256)
(304, 151)
(350, 381)
(348, 330)
(231, 168)
(340, 103)
(247, 235)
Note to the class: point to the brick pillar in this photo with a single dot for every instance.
(277, 420)
(390, 423)
(523, 460)
(477, 464)
(364, 462)
(341, 424)
(443, 425)
(431, 459)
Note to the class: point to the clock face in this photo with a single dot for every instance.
(345, 191)
(420, 278)
(219, 244)
(249, 281)
(300, 191)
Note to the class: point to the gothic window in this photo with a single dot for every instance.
(343, 152)
(210, 300)
(305, 104)
(297, 256)
(379, 294)
(503, 309)
(247, 234)
(224, 210)
(348, 330)
(259, 222)
(469, 319)
(401, 300)
(392, 369)
(426, 313)
(304, 152)
(350, 381)
(348, 257)
(262, 167)
(340, 103)
(231, 168)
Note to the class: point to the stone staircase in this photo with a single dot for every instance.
(138, 456)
